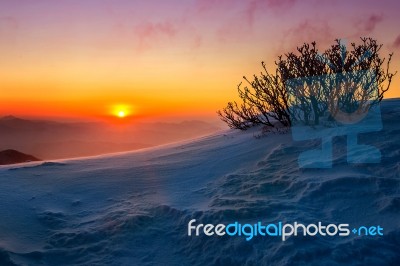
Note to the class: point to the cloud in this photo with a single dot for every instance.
(280, 3)
(244, 11)
(230, 20)
(306, 31)
(396, 43)
(204, 6)
(139, 36)
(251, 6)
(255, 6)
(368, 24)
(150, 33)
(236, 18)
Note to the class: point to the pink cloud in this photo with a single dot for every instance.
(255, 6)
(306, 32)
(231, 20)
(368, 24)
(250, 8)
(148, 34)
(396, 43)
(252, 5)
(140, 36)
(280, 3)
(202, 6)
(242, 16)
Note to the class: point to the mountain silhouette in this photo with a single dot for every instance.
(13, 157)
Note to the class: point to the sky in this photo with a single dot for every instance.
(166, 58)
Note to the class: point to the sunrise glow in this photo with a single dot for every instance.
(165, 57)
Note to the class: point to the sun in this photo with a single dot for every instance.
(121, 110)
(121, 114)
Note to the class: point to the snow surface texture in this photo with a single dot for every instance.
(133, 208)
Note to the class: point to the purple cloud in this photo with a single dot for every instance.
(208, 5)
(263, 5)
(368, 24)
(305, 32)
(240, 16)
(396, 43)
(250, 8)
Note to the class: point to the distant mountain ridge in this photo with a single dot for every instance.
(13, 157)
(8, 117)
(60, 139)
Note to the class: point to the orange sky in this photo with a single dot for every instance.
(159, 58)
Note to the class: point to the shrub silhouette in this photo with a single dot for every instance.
(329, 84)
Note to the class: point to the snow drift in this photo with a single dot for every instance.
(133, 208)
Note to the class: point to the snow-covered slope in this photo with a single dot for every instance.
(133, 208)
